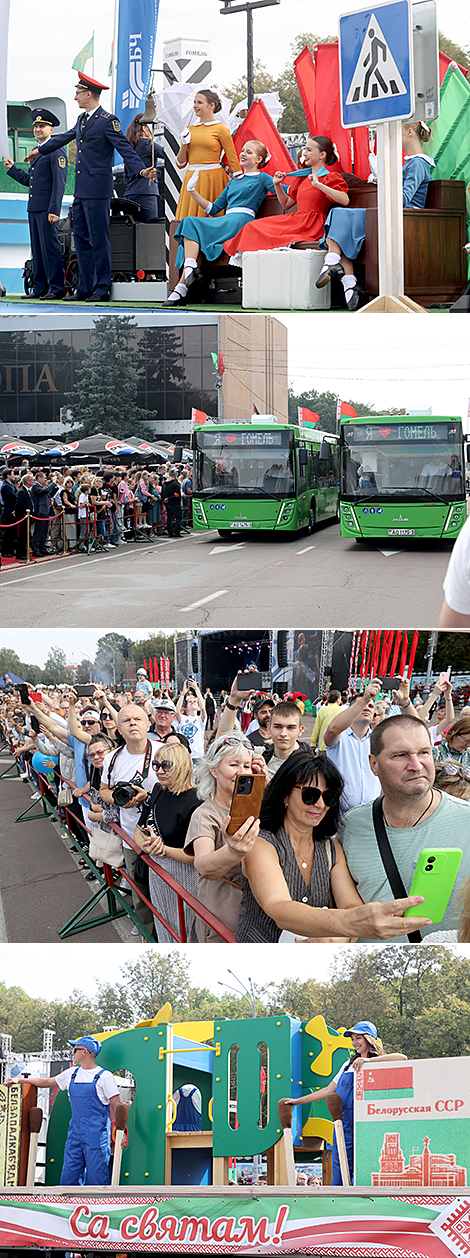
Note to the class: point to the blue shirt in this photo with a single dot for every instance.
(97, 136)
(417, 176)
(351, 757)
(81, 763)
(45, 179)
(248, 191)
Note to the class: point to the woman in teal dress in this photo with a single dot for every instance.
(240, 200)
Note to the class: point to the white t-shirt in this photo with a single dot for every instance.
(83, 503)
(128, 769)
(457, 578)
(193, 729)
(106, 1086)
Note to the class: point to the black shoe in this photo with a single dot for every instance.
(328, 273)
(101, 296)
(50, 296)
(196, 274)
(32, 296)
(81, 297)
(180, 302)
(353, 296)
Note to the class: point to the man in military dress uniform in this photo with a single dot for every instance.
(46, 181)
(97, 134)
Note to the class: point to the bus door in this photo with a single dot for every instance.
(302, 496)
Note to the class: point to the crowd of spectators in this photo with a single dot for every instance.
(311, 865)
(78, 509)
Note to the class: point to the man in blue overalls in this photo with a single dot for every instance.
(97, 134)
(46, 181)
(93, 1099)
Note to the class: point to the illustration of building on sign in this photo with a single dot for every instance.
(430, 1170)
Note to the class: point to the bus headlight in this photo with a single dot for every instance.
(349, 517)
(455, 519)
(199, 513)
(285, 514)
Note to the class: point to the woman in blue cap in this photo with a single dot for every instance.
(93, 1099)
(366, 1045)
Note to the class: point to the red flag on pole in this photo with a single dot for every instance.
(395, 654)
(305, 73)
(307, 418)
(145, 666)
(258, 125)
(347, 410)
(155, 668)
(150, 669)
(414, 644)
(404, 653)
(197, 417)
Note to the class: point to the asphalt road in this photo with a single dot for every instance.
(199, 581)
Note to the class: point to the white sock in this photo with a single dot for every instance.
(332, 259)
(348, 281)
(190, 264)
(179, 291)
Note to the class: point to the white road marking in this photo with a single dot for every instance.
(305, 549)
(44, 568)
(207, 599)
(218, 550)
(387, 553)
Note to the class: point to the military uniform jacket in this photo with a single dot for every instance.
(46, 181)
(97, 136)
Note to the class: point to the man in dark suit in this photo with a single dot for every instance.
(97, 134)
(8, 494)
(24, 503)
(42, 491)
(46, 182)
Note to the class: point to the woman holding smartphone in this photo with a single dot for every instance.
(217, 855)
(161, 833)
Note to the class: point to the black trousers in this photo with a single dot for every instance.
(173, 518)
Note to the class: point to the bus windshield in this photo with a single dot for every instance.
(407, 460)
(245, 462)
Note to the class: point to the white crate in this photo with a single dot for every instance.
(284, 280)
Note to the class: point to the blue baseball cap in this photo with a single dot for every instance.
(87, 1041)
(362, 1028)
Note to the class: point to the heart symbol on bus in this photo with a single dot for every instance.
(385, 432)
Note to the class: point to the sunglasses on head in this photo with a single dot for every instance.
(311, 795)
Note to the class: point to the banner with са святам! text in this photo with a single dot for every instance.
(349, 1226)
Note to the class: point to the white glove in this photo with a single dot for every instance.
(186, 136)
(192, 181)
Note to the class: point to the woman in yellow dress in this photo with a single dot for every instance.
(201, 149)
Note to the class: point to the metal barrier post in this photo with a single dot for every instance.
(28, 532)
(64, 543)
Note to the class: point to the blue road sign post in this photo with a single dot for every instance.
(377, 89)
(376, 64)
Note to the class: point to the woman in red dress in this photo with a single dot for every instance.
(313, 194)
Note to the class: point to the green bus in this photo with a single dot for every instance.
(402, 476)
(259, 474)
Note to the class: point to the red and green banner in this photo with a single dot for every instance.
(230, 1222)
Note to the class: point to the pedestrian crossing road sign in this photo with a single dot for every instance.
(376, 64)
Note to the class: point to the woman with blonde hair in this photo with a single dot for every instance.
(161, 833)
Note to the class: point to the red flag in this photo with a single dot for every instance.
(395, 654)
(445, 62)
(414, 644)
(307, 418)
(255, 410)
(404, 653)
(197, 417)
(150, 669)
(145, 666)
(221, 364)
(346, 409)
(258, 125)
(155, 669)
(305, 73)
(162, 671)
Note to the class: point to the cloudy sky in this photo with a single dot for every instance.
(41, 51)
(57, 971)
(33, 646)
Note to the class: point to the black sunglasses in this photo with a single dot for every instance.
(311, 795)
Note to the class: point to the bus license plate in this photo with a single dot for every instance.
(241, 524)
(401, 532)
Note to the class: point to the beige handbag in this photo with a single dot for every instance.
(106, 847)
(65, 797)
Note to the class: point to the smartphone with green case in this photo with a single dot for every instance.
(434, 877)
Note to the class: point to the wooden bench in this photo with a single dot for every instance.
(434, 239)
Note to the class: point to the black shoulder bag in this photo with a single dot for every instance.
(388, 860)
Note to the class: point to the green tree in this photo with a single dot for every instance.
(293, 117)
(104, 396)
(461, 55)
(149, 983)
(55, 669)
(10, 662)
(155, 647)
(263, 81)
(452, 649)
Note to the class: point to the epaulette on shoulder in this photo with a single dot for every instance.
(105, 115)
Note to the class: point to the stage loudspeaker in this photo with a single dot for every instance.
(194, 658)
(282, 648)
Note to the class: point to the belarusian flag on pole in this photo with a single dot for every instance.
(307, 418)
(84, 56)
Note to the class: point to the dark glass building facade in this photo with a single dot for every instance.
(38, 365)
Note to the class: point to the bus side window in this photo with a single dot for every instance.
(302, 470)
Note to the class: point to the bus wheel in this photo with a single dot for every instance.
(311, 519)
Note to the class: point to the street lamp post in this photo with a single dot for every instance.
(247, 7)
